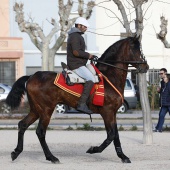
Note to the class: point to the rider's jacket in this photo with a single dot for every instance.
(76, 55)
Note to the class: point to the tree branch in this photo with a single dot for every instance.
(32, 29)
(139, 16)
(124, 16)
(88, 12)
(162, 34)
(80, 8)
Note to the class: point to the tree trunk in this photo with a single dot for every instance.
(51, 62)
(147, 119)
(45, 54)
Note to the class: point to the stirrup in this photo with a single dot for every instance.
(81, 109)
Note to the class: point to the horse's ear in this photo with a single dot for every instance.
(136, 37)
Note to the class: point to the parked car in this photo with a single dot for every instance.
(4, 90)
(130, 100)
(130, 97)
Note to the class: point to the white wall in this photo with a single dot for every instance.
(156, 55)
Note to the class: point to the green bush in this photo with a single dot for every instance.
(134, 128)
(121, 128)
(153, 97)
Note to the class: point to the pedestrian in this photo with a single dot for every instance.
(165, 102)
(162, 73)
(77, 59)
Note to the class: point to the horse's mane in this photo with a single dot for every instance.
(111, 53)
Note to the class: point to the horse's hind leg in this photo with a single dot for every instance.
(22, 127)
(41, 133)
(112, 135)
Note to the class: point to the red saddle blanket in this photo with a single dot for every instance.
(77, 89)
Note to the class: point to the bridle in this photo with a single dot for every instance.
(125, 62)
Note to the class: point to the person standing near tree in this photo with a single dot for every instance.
(77, 59)
(164, 101)
(162, 73)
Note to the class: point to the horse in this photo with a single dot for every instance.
(43, 96)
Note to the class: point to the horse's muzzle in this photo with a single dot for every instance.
(143, 68)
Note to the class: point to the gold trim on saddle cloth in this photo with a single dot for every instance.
(99, 93)
(64, 88)
(98, 86)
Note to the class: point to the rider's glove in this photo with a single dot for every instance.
(94, 58)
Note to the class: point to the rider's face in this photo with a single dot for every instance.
(82, 28)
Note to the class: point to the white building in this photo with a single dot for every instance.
(102, 22)
(156, 54)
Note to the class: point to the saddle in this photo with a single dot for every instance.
(72, 78)
(73, 84)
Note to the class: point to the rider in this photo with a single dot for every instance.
(77, 59)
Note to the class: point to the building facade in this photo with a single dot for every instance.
(110, 29)
(11, 48)
(19, 56)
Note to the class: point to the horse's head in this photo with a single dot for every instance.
(134, 56)
(126, 51)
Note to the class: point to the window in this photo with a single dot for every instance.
(128, 85)
(154, 76)
(7, 72)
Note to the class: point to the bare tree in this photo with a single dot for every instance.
(163, 32)
(139, 15)
(37, 36)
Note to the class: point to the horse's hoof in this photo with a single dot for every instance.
(90, 150)
(126, 161)
(53, 159)
(13, 156)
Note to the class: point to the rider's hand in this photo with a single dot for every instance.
(93, 57)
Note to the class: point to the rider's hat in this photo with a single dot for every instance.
(82, 21)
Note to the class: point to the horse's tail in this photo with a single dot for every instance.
(18, 90)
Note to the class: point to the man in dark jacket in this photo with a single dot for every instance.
(77, 59)
(165, 103)
(162, 73)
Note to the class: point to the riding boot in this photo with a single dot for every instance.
(82, 106)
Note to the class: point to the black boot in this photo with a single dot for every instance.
(82, 106)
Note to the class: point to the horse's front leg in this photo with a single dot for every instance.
(112, 135)
(118, 147)
(41, 133)
(99, 149)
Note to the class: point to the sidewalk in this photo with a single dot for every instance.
(74, 120)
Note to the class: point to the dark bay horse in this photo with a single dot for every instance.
(43, 96)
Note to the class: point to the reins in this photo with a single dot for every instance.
(109, 64)
(125, 62)
(129, 62)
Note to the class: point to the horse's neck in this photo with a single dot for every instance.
(117, 78)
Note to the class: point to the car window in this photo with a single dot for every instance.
(128, 85)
